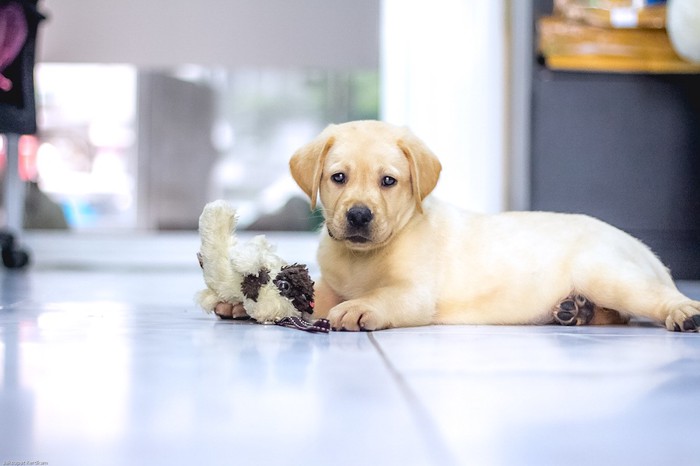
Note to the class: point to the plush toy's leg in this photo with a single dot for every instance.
(230, 311)
(576, 309)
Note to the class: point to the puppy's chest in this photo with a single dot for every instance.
(354, 278)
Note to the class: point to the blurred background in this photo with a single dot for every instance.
(147, 110)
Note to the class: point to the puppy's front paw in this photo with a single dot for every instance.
(353, 316)
(685, 318)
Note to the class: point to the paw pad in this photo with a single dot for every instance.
(574, 310)
(691, 324)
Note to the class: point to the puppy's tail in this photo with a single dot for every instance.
(217, 226)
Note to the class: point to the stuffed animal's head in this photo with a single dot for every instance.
(292, 284)
(295, 284)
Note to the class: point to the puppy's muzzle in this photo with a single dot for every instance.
(358, 219)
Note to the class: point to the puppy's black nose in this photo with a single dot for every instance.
(359, 216)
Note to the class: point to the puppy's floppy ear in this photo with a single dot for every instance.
(425, 167)
(307, 163)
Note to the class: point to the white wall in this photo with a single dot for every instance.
(443, 75)
(325, 33)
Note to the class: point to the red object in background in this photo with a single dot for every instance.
(28, 147)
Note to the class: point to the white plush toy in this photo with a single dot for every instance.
(251, 274)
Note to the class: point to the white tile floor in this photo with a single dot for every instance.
(106, 360)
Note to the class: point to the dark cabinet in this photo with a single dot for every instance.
(624, 148)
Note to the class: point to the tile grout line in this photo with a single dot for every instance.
(426, 424)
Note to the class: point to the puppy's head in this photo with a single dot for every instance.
(371, 177)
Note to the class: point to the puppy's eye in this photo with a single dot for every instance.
(338, 178)
(388, 181)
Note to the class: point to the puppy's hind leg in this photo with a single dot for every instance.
(678, 312)
(576, 309)
(683, 314)
(635, 293)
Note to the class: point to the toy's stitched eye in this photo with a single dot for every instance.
(338, 178)
(388, 181)
(283, 285)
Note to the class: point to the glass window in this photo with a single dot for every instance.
(126, 148)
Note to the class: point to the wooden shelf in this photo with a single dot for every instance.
(573, 46)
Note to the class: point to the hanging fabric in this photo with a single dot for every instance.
(13, 34)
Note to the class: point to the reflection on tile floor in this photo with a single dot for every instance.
(106, 360)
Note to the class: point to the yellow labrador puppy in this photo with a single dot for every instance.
(390, 256)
